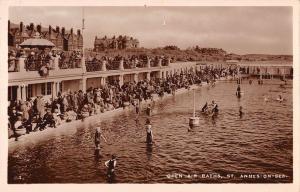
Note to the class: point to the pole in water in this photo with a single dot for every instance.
(194, 105)
(194, 121)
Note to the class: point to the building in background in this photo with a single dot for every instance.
(118, 43)
(64, 40)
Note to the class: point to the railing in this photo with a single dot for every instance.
(113, 65)
(93, 66)
(165, 62)
(131, 64)
(70, 60)
(33, 60)
(69, 63)
(153, 62)
(142, 63)
(34, 64)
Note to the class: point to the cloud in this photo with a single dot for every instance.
(235, 29)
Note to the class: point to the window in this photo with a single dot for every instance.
(60, 87)
(43, 88)
(49, 88)
(12, 93)
(46, 88)
(29, 91)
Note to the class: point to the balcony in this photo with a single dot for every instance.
(28, 68)
(124, 64)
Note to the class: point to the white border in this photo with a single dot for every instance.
(4, 4)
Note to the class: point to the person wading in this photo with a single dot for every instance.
(98, 135)
(149, 138)
(137, 110)
(148, 110)
(204, 108)
(241, 113)
(111, 166)
(238, 91)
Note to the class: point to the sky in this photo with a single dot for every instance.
(240, 30)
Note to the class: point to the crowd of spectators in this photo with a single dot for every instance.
(36, 59)
(94, 63)
(36, 114)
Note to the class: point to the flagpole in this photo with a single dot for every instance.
(83, 53)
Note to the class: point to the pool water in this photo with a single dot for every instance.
(258, 145)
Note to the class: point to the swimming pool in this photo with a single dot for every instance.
(256, 148)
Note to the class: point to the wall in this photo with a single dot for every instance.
(142, 76)
(72, 85)
(128, 78)
(93, 82)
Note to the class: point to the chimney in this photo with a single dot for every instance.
(57, 29)
(50, 29)
(71, 31)
(8, 26)
(78, 32)
(39, 28)
(21, 26)
(63, 31)
(31, 26)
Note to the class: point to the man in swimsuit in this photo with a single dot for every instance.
(111, 165)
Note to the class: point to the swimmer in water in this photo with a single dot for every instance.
(204, 108)
(241, 113)
(111, 166)
(238, 91)
(98, 135)
(148, 110)
(149, 139)
(280, 98)
(214, 105)
(214, 108)
(266, 99)
(137, 110)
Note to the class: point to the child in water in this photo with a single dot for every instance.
(149, 138)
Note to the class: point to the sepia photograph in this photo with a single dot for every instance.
(150, 94)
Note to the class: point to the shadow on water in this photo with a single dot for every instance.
(149, 151)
